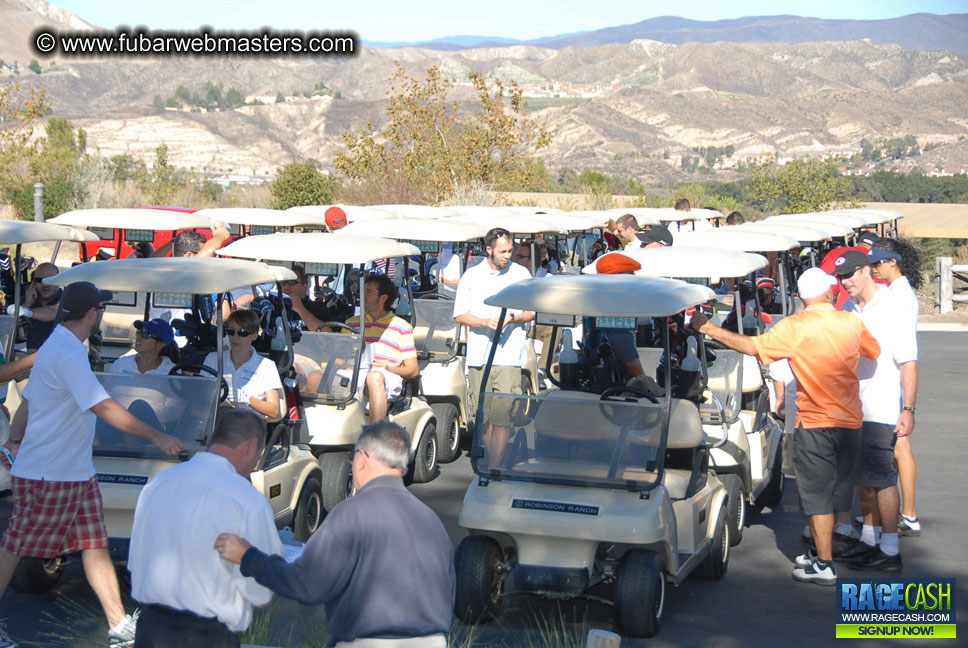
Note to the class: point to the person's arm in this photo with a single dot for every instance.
(44, 313)
(112, 413)
(909, 392)
(11, 370)
(406, 369)
(474, 321)
(869, 347)
(268, 406)
(219, 236)
(520, 317)
(742, 343)
(17, 428)
(311, 321)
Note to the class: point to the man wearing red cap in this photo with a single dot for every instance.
(335, 218)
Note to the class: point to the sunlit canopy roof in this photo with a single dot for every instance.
(830, 228)
(18, 232)
(574, 221)
(602, 295)
(736, 238)
(851, 220)
(195, 275)
(525, 210)
(445, 229)
(874, 216)
(514, 224)
(799, 232)
(125, 218)
(317, 248)
(643, 215)
(419, 212)
(353, 212)
(263, 217)
(707, 263)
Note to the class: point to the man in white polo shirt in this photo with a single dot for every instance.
(191, 597)
(888, 389)
(480, 282)
(58, 504)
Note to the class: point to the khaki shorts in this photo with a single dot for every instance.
(503, 380)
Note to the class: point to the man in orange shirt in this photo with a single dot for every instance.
(824, 348)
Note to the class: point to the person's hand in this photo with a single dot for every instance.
(169, 444)
(220, 232)
(491, 323)
(697, 321)
(905, 424)
(231, 547)
(13, 448)
(610, 225)
(24, 311)
(780, 409)
(382, 364)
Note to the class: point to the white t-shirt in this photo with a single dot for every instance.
(781, 372)
(477, 284)
(60, 426)
(902, 291)
(880, 380)
(128, 365)
(448, 264)
(697, 225)
(255, 377)
(179, 514)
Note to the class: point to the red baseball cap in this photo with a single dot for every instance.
(335, 217)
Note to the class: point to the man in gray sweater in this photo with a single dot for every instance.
(381, 562)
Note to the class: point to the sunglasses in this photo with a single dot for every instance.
(353, 454)
(240, 332)
(289, 284)
(144, 334)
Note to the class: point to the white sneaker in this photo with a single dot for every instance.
(806, 559)
(122, 635)
(5, 640)
(814, 573)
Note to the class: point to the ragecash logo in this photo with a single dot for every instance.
(908, 608)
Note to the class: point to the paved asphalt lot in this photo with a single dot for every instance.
(756, 604)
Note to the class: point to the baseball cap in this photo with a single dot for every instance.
(868, 239)
(616, 264)
(335, 217)
(82, 296)
(878, 256)
(158, 328)
(656, 234)
(814, 282)
(848, 262)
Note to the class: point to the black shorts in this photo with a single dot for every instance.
(824, 461)
(876, 466)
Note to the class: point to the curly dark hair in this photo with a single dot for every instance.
(910, 264)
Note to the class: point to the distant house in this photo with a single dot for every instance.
(266, 99)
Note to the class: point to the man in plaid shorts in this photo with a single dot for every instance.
(57, 508)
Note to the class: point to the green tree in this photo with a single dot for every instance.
(302, 183)
(165, 179)
(803, 185)
(34, 66)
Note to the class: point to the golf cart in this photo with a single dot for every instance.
(594, 483)
(242, 221)
(443, 377)
(353, 213)
(327, 362)
(182, 405)
(749, 465)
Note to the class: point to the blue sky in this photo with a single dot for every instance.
(414, 20)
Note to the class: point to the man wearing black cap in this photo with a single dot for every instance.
(655, 236)
(58, 507)
(865, 241)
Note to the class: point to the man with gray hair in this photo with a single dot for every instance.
(190, 596)
(381, 562)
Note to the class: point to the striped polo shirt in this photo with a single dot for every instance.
(389, 338)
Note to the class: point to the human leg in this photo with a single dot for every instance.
(104, 581)
(877, 477)
(908, 471)
(377, 394)
(8, 564)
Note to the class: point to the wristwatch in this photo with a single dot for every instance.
(908, 409)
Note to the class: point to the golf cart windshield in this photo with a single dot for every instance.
(571, 438)
(435, 331)
(324, 364)
(177, 405)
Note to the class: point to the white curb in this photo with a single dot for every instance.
(943, 326)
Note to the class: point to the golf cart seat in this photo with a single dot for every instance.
(686, 459)
(402, 404)
(752, 375)
(577, 421)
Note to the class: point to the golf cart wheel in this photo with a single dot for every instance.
(309, 510)
(337, 482)
(424, 466)
(37, 575)
(773, 493)
(480, 579)
(448, 432)
(715, 564)
(640, 593)
(736, 507)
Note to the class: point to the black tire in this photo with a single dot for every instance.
(772, 495)
(37, 575)
(640, 593)
(424, 467)
(480, 582)
(448, 432)
(736, 507)
(337, 482)
(715, 565)
(309, 510)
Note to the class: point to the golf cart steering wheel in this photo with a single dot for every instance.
(180, 368)
(335, 326)
(621, 389)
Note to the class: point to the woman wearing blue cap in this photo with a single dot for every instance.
(155, 350)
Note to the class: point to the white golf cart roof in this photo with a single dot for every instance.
(734, 238)
(514, 224)
(874, 216)
(193, 275)
(317, 248)
(262, 217)
(353, 212)
(481, 211)
(851, 220)
(19, 232)
(419, 212)
(801, 233)
(127, 218)
(602, 295)
(531, 211)
(405, 229)
(832, 229)
(707, 263)
(643, 215)
(668, 214)
(574, 221)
